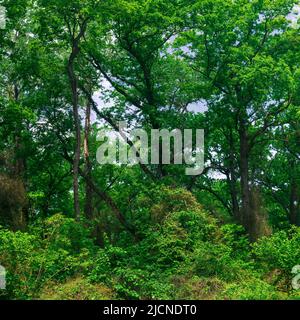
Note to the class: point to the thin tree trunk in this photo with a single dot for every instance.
(234, 195)
(233, 181)
(76, 161)
(294, 203)
(75, 102)
(245, 217)
(88, 208)
(109, 201)
(101, 194)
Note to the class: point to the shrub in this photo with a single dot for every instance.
(136, 284)
(100, 267)
(31, 260)
(197, 288)
(65, 233)
(75, 289)
(16, 255)
(235, 237)
(251, 289)
(280, 252)
(218, 260)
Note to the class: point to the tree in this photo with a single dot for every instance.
(250, 85)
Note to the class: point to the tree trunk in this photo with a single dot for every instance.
(245, 217)
(88, 208)
(102, 194)
(234, 197)
(294, 203)
(21, 216)
(77, 148)
(232, 180)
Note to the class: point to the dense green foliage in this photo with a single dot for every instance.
(187, 255)
(71, 228)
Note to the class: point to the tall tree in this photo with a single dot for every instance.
(250, 85)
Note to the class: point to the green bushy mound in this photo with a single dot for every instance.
(184, 253)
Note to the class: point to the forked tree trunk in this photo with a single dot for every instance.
(75, 102)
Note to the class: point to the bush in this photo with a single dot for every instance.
(100, 267)
(57, 252)
(251, 289)
(279, 252)
(197, 288)
(65, 233)
(235, 237)
(218, 260)
(140, 284)
(17, 256)
(75, 289)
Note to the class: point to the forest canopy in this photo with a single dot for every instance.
(72, 228)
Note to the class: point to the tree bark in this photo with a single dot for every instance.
(75, 102)
(232, 180)
(245, 216)
(88, 207)
(294, 203)
(77, 148)
(22, 215)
